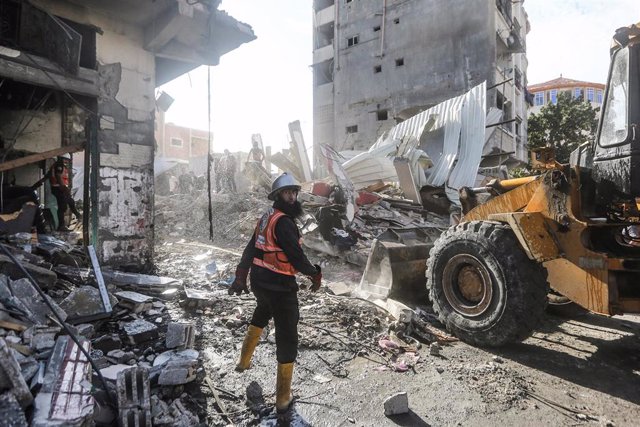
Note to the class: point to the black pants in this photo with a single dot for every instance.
(64, 200)
(283, 308)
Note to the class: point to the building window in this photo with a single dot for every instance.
(396, 21)
(599, 96)
(399, 62)
(352, 41)
(553, 96)
(590, 94)
(376, 28)
(176, 142)
(382, 115)
(377, 68)
(577, 93)
(348, 1)
(539, 98)
(352, 129)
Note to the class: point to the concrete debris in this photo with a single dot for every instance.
(111, 373)
(396, 404)
(106, 343)
(120, 356)
(85, 304)
(178, 367)
(65, 398)
(44, 277)
(134, 403)
(180, 335)
(141, 282)
(11, 414)
(11, 378)
(22, 295)
(43, 337)
(134, 301)
(434, 349)
(198, 299)
(140, 331)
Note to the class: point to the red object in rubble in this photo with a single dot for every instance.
(321, 189)
(366, 198)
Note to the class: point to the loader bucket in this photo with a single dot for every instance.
(397, 263)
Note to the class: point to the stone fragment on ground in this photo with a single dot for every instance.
(396, 404)
(140, 331)
(85, 302)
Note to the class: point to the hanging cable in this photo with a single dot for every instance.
(210, 155)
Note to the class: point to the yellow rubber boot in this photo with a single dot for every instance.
(283, 387)
(248, 346)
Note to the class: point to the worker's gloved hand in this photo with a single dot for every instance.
(316, 279)
(239, 284)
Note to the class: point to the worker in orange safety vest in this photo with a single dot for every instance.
(274, 256)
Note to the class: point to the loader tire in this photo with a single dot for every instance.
(483, 287)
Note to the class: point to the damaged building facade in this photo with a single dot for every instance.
(80, 76)
(376, 64)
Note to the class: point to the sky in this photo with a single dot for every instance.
(267, 83)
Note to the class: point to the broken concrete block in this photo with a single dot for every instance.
(11, 378)
(178, 372)
(396, 404)
(43, 337)
(85, 303)
(45, 278)
(11, 414)
(140, 330)
(120, 356)
(111, 372)
(106, 343)
(29, 300)
(177, 367)
(434, 349)
(180, 335)
(339, 288)
(134, 402)
(87, 330)
(134, 301)
(65, 398)
(198, 299)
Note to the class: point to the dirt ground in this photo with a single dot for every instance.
(578, 370)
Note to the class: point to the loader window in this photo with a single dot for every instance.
(614, 117)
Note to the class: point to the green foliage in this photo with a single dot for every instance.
(564, 125)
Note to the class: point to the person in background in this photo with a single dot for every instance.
(256, 154)
(59, 179)
(228, 167)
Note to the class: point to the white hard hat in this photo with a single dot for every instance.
(280, 183)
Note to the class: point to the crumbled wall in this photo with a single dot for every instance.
(126, 141)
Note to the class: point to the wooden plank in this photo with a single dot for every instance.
(33, 158)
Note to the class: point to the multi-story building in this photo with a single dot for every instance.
(179, 142)
(378, 63)
(547, 92)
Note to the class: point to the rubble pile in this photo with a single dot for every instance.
(80, 345)
(187, 215)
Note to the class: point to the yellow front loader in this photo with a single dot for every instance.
(574, 229)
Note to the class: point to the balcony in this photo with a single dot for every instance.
(323, 54)
(325, 16)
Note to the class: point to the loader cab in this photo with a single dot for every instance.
(614, 157)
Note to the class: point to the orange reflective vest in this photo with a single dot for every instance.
(273, 258)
